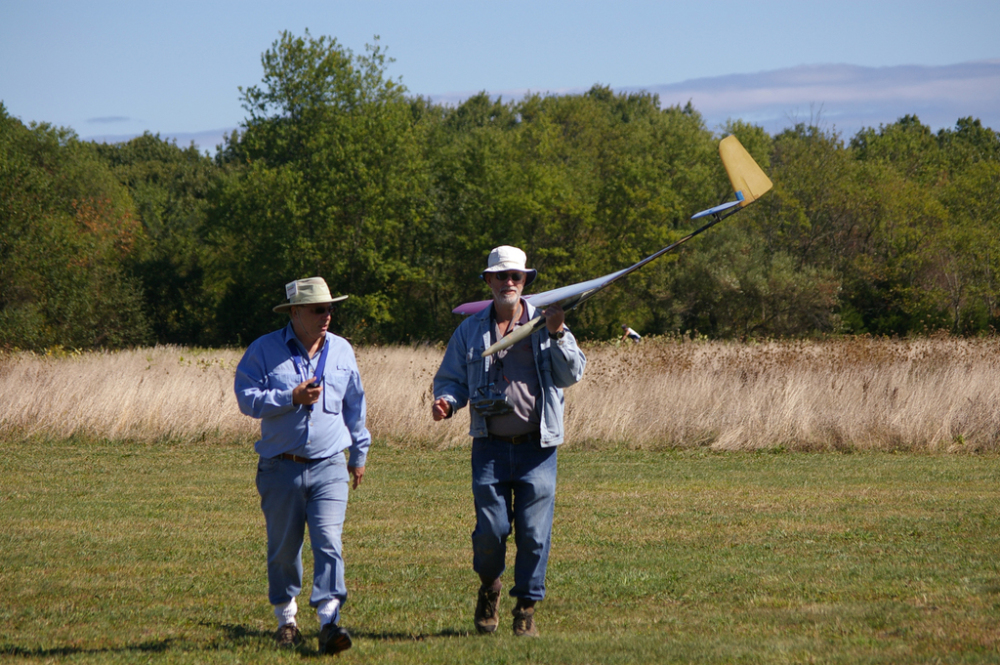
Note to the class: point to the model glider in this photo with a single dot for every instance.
(749, 182)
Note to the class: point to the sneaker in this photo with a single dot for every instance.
(333, 639)
(486, 610)
(288, 636)
(524, 622)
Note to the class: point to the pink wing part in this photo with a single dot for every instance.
(480, 305)
(472, 307)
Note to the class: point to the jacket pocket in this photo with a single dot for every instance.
(475, 372)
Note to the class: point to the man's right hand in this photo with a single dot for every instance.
(441, 409)
(304, 395)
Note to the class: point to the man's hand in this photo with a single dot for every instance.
(554, 318)
(357, 472)
(304, 395)
(441, 409)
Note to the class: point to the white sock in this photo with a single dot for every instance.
(285, 612)
(327, 610)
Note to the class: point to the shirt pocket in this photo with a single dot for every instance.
(335, 382)
(282, 380)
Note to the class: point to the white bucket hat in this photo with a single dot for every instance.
(309, 291)
(505, 258)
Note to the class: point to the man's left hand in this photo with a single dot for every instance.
(357, 472)
(554, 318)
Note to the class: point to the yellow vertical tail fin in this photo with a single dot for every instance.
(748, 179)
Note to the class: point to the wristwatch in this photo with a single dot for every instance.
(558, 335)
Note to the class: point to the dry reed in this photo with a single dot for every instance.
(876, 394)
(932, 394)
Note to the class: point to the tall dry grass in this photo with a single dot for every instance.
(924, 394)
(928, 394)
(147, 394)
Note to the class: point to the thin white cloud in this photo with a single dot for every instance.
(206, 141)
(110, 119)
(849, 96)
(854, 97)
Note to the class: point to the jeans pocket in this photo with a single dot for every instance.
(267, 464)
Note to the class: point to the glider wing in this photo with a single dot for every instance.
(749, 182)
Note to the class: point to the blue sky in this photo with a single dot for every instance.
(117, 68)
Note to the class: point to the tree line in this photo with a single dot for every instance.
(337, 171)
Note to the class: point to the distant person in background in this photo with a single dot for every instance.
(302, 382)
(630, 334)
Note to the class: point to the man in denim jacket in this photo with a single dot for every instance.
(516, 422)
(302, 382)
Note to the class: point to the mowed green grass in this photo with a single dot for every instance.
(117, 552)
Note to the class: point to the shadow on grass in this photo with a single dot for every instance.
(233, 633)
(148, 647)
(240, 633)
(386, 636)
(236, 632)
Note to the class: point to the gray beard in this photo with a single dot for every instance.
(509, 301)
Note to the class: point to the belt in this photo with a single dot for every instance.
(530, 437)
(301, 460)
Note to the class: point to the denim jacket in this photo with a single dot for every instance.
(559, 364)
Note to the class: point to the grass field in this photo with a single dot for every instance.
(154, 552)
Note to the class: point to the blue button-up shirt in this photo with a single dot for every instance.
(265, 377)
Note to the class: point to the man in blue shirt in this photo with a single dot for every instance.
(516, 422)
(302, 382)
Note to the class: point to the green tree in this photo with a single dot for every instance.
(170, 187)
(734, 286)
(862, 219)
(927, 266)
(66, 225)
(969, 248)
(330, 159)
(470, 152)
(967, 144)
(907, 145)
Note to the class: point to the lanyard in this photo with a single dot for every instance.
(300, 362)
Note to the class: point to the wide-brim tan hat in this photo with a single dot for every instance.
(504, 258)
(310, 291)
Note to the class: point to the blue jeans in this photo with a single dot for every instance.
(513, 485)
(294, 494)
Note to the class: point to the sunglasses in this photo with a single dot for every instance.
(515, 277)
(321, 311)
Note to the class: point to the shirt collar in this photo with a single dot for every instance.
(521, 320)
(290, 336)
